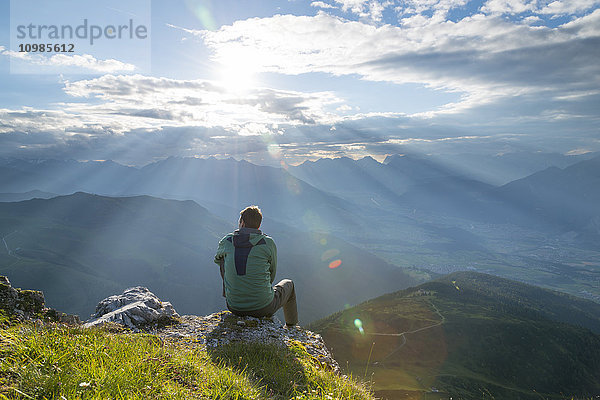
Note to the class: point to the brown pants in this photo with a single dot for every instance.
(284, 295)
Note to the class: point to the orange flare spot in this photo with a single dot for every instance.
(335, 264)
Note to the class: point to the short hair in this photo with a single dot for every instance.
(252, 217)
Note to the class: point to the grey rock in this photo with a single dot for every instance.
(51, 314)
(134, 308)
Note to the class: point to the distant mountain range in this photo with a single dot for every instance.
(82, 248)
(431, 215)
(553, 200)
(323, 194)
(568, 197)
(503, 168)
(228, 182)
(470, 336)
(398, 173)
(32, 194)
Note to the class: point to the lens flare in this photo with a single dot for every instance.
(329, 254)
(359, 325)
(323, 241)
(335, 264)
(202, 11)
(293, 185)
(274, 150)
(313, 221)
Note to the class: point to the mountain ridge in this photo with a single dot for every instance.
(466, 334)
(79, 248)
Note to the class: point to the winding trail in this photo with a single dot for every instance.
(442, 320)
(8, 250)
(403, 334)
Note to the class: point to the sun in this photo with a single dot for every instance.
(237, 72)
(236, 79)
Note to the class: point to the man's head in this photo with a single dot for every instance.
(250, 217)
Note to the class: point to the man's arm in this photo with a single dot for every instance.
(222, 268)
(220, 259)
(273, 261)
(220, 256)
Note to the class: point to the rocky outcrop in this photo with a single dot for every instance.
(29, 304)
(135, 308)
(24, 303)
(139, 309)
(222, 328)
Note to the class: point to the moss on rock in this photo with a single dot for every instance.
(19, 304)
(30, 301)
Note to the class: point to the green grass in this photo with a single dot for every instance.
(58, 362)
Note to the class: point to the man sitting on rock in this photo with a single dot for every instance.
(248, 261)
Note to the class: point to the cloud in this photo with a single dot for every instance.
(550, 7)
(321, 4)
(368, 10)
(509, 6)
(521, 85)
(344, 108)
(84, 61)
(200, 102)
(192, 31)
(438, 7)
(115, 109)
(93, 132)
(484, 57)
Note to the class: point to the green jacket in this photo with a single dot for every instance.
(250, 259)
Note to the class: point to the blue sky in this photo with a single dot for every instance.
(285, 81)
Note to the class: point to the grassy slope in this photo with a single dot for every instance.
(56, 362)
(485, 337)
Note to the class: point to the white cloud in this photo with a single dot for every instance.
(344, 108)
(532, 19)
(321, 4)
(181, 28)
(568, 7)
(117, 104)
(368, 10)
(513, 77)
(85, 61)
(484, 57)
(439, 7)
(509, 6)
(356, 6)
(547, 7)
(585, 27)
(576, 152)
